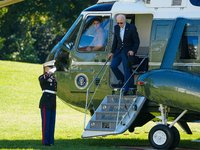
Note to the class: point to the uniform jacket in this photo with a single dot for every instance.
(130, 42)
(48, 82)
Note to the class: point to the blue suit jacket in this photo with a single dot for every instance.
(130, 42)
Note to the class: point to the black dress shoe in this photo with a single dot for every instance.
(125, 93)
(121, 82)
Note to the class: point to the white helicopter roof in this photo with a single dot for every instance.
(152, 3)
(105, 1)
(159, 8)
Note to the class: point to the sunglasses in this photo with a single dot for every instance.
(120, 23)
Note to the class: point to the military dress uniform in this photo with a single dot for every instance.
(47, 105)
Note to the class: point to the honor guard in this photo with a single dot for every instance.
(47, 104)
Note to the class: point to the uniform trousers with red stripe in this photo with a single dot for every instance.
(48, 125)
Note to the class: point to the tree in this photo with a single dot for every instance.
(41, 23)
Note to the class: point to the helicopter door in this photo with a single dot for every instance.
(143, 23)
(91, 52)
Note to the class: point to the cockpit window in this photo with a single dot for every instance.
(94, 36)
(70, 37)
(51, 56)
(195, 2)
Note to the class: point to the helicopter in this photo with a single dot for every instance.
(165, 81)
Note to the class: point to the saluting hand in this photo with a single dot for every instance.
(52, 70)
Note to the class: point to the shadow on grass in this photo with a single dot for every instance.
(60, 144)
(74, 144)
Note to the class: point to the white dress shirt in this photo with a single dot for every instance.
(122, 31)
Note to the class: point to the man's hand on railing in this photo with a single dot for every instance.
(110, 55)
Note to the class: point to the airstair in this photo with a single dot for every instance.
(107, 120)
(115, 114)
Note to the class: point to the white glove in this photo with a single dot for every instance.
(52, 70)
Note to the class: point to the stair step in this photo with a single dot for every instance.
(115, 99)
(99, 129)
(108, 115)
(102, 124)
(104, 120)
(114, 107)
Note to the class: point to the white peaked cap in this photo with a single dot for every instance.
(49, 63)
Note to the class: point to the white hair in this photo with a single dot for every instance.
(121, 16)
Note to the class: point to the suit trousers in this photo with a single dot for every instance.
(48, 125)
(121, 57)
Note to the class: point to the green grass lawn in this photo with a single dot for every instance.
(20, 122)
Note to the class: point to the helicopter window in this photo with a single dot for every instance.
(195, 2)
(72, 34)
(130, 19)
(147, 1)
(176, 2)
(95, 34)
(188, 47)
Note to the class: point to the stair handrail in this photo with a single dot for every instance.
(88, 92)
(121, 95)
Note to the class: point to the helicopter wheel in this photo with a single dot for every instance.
(176, 137)
(161, 137)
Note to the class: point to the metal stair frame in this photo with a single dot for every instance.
(121, 95)
(88, 91)
(121, 125)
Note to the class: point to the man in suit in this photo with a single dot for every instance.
(47, 104)
(125, 42)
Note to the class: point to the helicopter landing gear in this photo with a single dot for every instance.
(161, 137)
(164, 136)
(176, 137)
